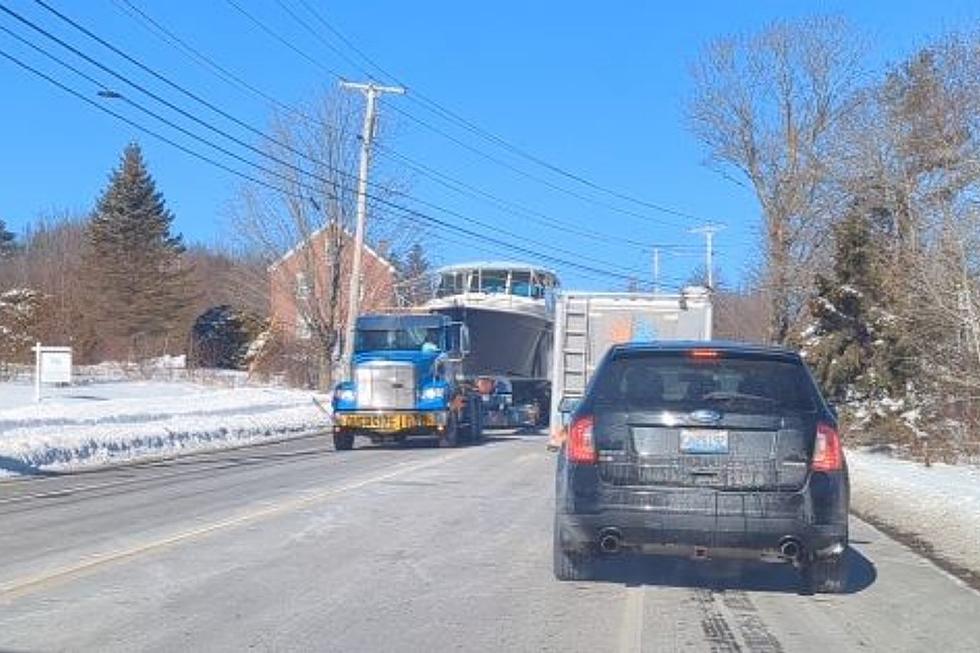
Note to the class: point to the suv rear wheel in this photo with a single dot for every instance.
(825, 575)
(571, 565)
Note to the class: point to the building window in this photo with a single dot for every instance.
(302, 286)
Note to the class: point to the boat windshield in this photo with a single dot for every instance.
(520, 283)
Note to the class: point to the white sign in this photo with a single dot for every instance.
(56, 365)
(52, 365)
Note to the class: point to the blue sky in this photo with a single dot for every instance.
(597, 88)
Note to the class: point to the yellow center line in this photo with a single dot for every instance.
(22, 586)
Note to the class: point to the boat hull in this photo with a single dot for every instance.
(504, 343)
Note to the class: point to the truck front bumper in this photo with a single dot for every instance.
(423, 422)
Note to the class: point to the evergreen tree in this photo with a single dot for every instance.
(221, 337)
(133, 260)
(854, 344)
(414, 272)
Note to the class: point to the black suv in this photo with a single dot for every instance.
(703, 449)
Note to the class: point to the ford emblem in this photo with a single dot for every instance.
(705, 416)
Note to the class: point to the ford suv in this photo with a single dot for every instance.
(703, 449)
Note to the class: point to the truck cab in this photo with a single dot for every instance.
(407, 381)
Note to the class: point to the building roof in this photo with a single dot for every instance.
(299, 246)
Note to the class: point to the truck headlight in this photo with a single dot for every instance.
(431, 394)
(346, 395)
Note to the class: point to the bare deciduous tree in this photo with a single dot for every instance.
(311, 217)
(766, 106)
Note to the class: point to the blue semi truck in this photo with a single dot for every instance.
(407, 381)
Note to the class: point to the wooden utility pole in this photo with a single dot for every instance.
(371, 92)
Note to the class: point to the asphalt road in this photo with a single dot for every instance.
(291, 546)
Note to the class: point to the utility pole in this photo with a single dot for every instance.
(709, 231)
(656, 270)
(371, 93)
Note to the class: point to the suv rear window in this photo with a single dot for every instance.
(732, 382)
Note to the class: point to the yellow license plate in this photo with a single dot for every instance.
(383, 422)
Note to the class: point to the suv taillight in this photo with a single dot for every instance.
(828, 455)
(581, 443)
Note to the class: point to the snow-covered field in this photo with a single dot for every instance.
(100, 423)
(938, 504)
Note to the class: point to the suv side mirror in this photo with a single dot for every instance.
(569, 404)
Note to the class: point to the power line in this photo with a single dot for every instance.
(281, 39)
(150, 112)
(228, 76)
(132, 60)
(513, 208)
(200, 121)
(452, 116)
(460, 143)
(233, 138)
(443, 179)
(405, 210)
(134, 124)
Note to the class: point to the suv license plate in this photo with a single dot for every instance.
(704, 441)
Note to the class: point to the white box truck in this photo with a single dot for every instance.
(587, 324)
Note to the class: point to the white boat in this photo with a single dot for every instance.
(508, 308)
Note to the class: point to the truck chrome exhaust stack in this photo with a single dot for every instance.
(610, 541)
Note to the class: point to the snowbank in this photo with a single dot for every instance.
(112, 422)
(940, 505)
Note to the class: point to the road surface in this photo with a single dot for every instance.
(291, 546)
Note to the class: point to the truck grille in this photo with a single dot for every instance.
(385, 384)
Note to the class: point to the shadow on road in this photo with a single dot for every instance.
(634, 570)
(420, 442)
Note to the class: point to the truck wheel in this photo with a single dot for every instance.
(343, 441)
(571, 565)
(477, 420)
(825, 575)
(474, 430)
(451, 436)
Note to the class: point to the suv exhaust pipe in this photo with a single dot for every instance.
(610, 541)
(790, 548)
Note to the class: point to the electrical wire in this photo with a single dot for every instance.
(441, 178)
(235, 139)
(459, 120)
(447, 181)
(466, 146)
(405, 210)
(174, 85)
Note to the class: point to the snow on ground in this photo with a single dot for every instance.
(938, 504)
(110, 422)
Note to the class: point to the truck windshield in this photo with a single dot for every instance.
(398, 339)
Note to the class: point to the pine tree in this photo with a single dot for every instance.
(133, 260)
(854, 344)
(414, 272)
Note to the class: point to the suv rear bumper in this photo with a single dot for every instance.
(711, 523)
(679, 533)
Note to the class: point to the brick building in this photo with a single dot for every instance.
(301, 283)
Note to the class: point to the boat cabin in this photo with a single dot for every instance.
(515, 279)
